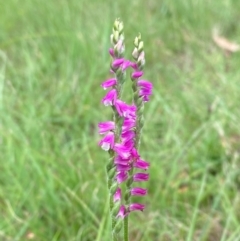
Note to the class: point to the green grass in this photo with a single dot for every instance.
(53, 57)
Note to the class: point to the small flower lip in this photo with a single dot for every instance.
(110, 98)
(107, 141)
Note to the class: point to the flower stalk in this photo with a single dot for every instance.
(122, 134)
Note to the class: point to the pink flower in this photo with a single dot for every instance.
(118, 195)
(106, 126)
(120, 160)
(122, 212)
(117, 62)
(140, 177)
(145, 89)
(125, 110)
(111, 52)
(136, 207)
(127, 135)
(110, 98)
(126, 64)
(122, 150)
(141, 164)
(123, 168)
(144, 84)
(121, 177)
(128, 124)
(134, 154)
(137, 74)
(107, 142)
(109, 83)
(137, 191)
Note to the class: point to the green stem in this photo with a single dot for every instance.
(127, 202)
(126, 228)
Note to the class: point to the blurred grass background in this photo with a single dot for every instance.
(53, 58)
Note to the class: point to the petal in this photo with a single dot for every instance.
(138, 191)
(128, 124)
(140, 177)
(137, 74)
(117, 62)
(109, 83)
(106, 126)
(127, 135)
(111, 52)
(110, 98)
(118, 195)
(107, 141)
(122, 150)
(141, 164)
(122, 212)
(121, 177)
(136, 207)
(126, 64)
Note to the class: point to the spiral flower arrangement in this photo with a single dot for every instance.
(122, 134)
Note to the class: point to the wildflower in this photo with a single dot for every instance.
(136, 207)
(122, 150)
(117, 62)
(140, 177)
(121, 177)
(111, 52)
(141, 164)
(137, 191)
(127, 135)
(117, 196)
(126, 64)
(128, 124)
(110, 98)
(123, 167)
(125, 110)
(120, 160)
(106, 126)
(122, 212)
(109, 83)
(122, 135)
(107, 142)
(137, 74)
